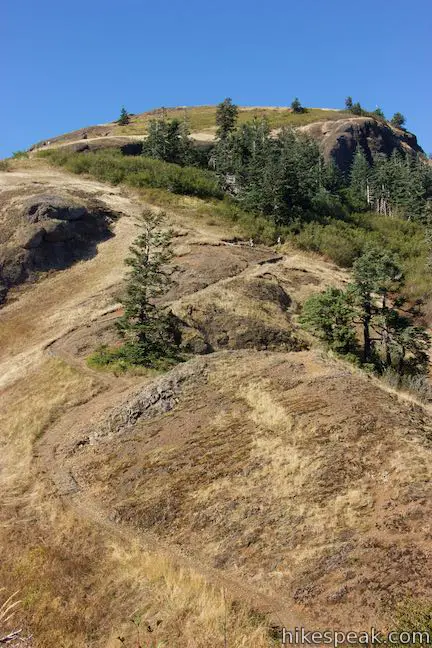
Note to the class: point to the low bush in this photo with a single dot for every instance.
(343, 241)
(117, 360)
(418, 385)
(137, 171)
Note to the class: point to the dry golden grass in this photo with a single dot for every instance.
(203, 118)
(30, 405)
(283, 473)
(277, 472)
(79, 584)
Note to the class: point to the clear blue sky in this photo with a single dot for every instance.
(73, 63)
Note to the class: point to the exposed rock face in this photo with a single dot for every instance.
(47, 231)
(238, 313)
(339, 139)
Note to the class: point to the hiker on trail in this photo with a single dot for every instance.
(251, 243)
(279, 240)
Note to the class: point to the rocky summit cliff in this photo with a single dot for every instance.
(340, 139)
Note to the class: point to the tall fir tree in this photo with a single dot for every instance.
(168, 140)
(359, 180)
(226, 118)
(124, 118)
(147, 328)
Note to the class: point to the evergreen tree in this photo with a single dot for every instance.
(356, 109)
(348, 103)
(330, 316)
(296, 106)
(359, 180)
(398, 120)
(390, 336)
(124, 118)
(401, 185)
(168, 140)
(375, 273)
(147, 328)
(226, 118)
(379, 113)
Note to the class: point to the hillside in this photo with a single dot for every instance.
(264, 481)
(337, 131)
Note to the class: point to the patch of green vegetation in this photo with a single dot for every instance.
(201, 118)
(196, 192)
(413, 617)
(20, 155)
(4, 165)
(343, 241)
(116, 360)
(137, 171)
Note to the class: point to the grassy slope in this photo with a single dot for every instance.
(203, 118)
(193, 190)
(77, 583)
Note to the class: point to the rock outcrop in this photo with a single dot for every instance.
(340, 139)
(47, 231)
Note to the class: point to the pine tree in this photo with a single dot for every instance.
(226, 118)
(390, 336)
(378, 112)
(398, 120)
(348, 103)
(359, 180)
(330, 316)
(356, 109)
(375, 273)
(168, 140)
(124, 118)
(296, 106)
(147, 328)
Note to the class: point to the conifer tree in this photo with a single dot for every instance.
(296, 106)
(124, 118)
(356, 109)
(330, 316)
(389, 334)
(348, 103)
(146, 327)
(378, 112)
(226, 118)
(359, 180)
(398, 120)
(168, 140)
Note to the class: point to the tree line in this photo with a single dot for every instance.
(285, 177)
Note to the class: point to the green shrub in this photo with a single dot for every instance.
(343, 241)
(117, 360)
(413, 617)
(137, 171)
(19, 154)
(4, 165)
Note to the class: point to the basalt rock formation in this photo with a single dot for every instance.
(46, 231)
(340, 139)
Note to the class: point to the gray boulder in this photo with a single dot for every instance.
(45, 206)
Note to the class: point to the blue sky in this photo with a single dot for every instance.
(72, 63)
